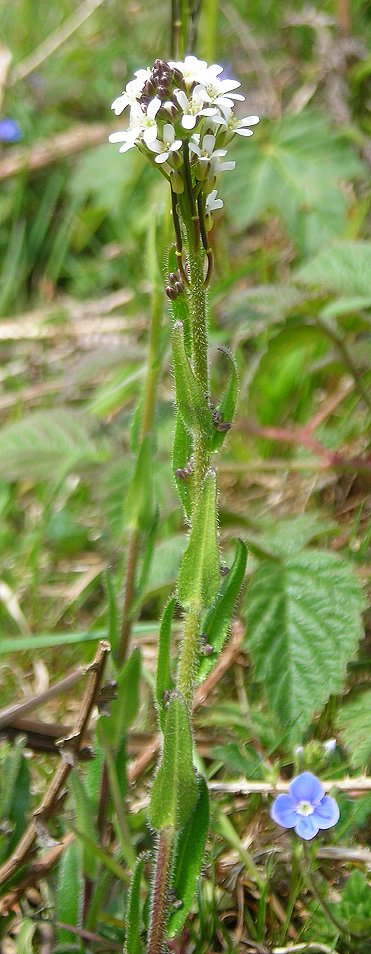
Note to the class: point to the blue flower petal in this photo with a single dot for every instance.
(9, 131)
(327, 812)
(307, 826)
(283, 811)
(306, 788)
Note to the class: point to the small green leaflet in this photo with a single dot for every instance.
(191, 400)
(164, 680)
(133, 943)
(303, 626)
(69, 890)
(199, 575)
(189, 856)
(218, 619)
(174, 792)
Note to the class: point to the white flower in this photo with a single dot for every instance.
(206, 152)
(219, 92)
(166, 145)
(212, 203)
(193, 107)
(149, 124)
(216, 167)
(131, 92)
(193, 70)
(240, 125)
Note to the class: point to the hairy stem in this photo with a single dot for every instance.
(156, 936)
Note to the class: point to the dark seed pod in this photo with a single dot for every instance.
(173, 277)
(170, 292)
(179, 288)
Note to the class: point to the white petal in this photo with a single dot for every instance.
(156, 145)
(244, 132)
(182, 99)
(226, 166)
(153, 107)
(120, 104)
(127, 145)
(248, 121)
(162, 158)
(150, 134)
(119, 136)
(188, 121)
(168, 133)
(193, 147)
(237, 96)
(218, 204)
(226, 86)
(208, 112)
(176, 145)
(208, 143)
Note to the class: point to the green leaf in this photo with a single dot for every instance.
(182, 452)
(69, 891)
(139, 501)
(199, 575)
(51, 640)
(304, 624)
(354, 725)
(287, 536)
(164, 679)
(227, 405)
(191, 400)
(85, 824)
(217, 621)
(296, 167)
(174, 792)
(133, 942)
(343, 267)
(44, 445)
(113, 614)
(125, 707)
(189, 857)
(14, 796)
(148, 554)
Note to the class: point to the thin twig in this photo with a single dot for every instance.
(64, 144)
(243, 787)
(54, 41)
(54, 791)
(21, 709)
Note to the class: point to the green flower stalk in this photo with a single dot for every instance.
(181, 118)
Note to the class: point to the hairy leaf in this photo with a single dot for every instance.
(304, 623)
(218, 620)
(227, 406)
(182, 452)
(199, 574)
(164, 680)
(133, 932)
(174, 791)
(189, 857)
(191, 400)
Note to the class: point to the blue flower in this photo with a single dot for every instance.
(306, 807)
(9, 131)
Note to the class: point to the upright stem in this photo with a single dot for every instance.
(156, 936)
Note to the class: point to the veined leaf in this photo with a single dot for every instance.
(44, 445)
(182, 452)
(218, 619)
(190, 398)
(343, 267)
(174, 792)
(189, 857)
(164, 679)
(304, 624)
(69, 890)
(354, 724)
(133, 942)
(199, 575)
(227, 405)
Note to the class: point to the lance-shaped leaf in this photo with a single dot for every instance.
(304, 623)
(85, 825)
(139, 501)
(133, 921)
(191, 400)
(174, 791)
(227, 407)
(182, 452)
(164, 681)
(189, 856)
(218, 619)
(125, 706)
(199, 574)
(69, 893)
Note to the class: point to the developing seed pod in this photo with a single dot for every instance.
(171, 293)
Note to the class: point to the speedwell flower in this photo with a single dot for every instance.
(306, 807)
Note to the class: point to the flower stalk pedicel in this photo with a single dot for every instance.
(181, 118)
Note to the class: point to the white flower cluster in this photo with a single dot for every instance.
(183, 102)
